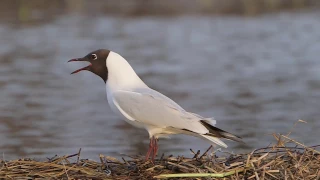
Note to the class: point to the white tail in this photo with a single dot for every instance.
(215, 140)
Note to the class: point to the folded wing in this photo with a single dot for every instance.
(153, 109)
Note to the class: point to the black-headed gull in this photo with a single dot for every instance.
(146, 108)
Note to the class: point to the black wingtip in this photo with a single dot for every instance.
(214, 131)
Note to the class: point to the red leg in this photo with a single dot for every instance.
(155, 148)
(150, 148)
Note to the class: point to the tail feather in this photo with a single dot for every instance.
(209, 120)
(215, 140)
(216, 132)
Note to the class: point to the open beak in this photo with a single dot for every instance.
(81, 69)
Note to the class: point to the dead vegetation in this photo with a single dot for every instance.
(285, 159)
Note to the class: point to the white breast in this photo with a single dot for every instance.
(121, 76)
(119, 112)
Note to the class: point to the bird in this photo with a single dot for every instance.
(143, 107)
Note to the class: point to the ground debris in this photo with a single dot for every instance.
(288, 159)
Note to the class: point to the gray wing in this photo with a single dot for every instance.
(155, 109)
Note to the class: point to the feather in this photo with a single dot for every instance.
(216, 132)
(214, 140)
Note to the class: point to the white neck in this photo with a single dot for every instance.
(120, 74)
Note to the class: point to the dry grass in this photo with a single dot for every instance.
(285, 159)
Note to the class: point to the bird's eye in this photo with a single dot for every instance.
(94, 56)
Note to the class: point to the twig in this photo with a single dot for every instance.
(125, 161)
(301, 144)
(162, 157)
(195, 175)
(102, 162)
(78, 156)
(153, 167)
(205, 153)
(295, 148)
(210, 169)
(197, 154)
(255, 172)
(65, 170)
(178, 165)
(294, 125)
(72, 155)
(192, 151)
(51, 159)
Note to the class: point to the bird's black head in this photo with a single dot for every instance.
(97, 60)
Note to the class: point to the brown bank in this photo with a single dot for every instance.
(284, 159)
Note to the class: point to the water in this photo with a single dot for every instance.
(255, 75)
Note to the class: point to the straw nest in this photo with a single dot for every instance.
(286, 159)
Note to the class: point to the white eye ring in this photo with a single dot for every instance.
(94, 56)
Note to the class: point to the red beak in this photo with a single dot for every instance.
(81, 69)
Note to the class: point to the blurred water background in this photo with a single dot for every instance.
(253, 65)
